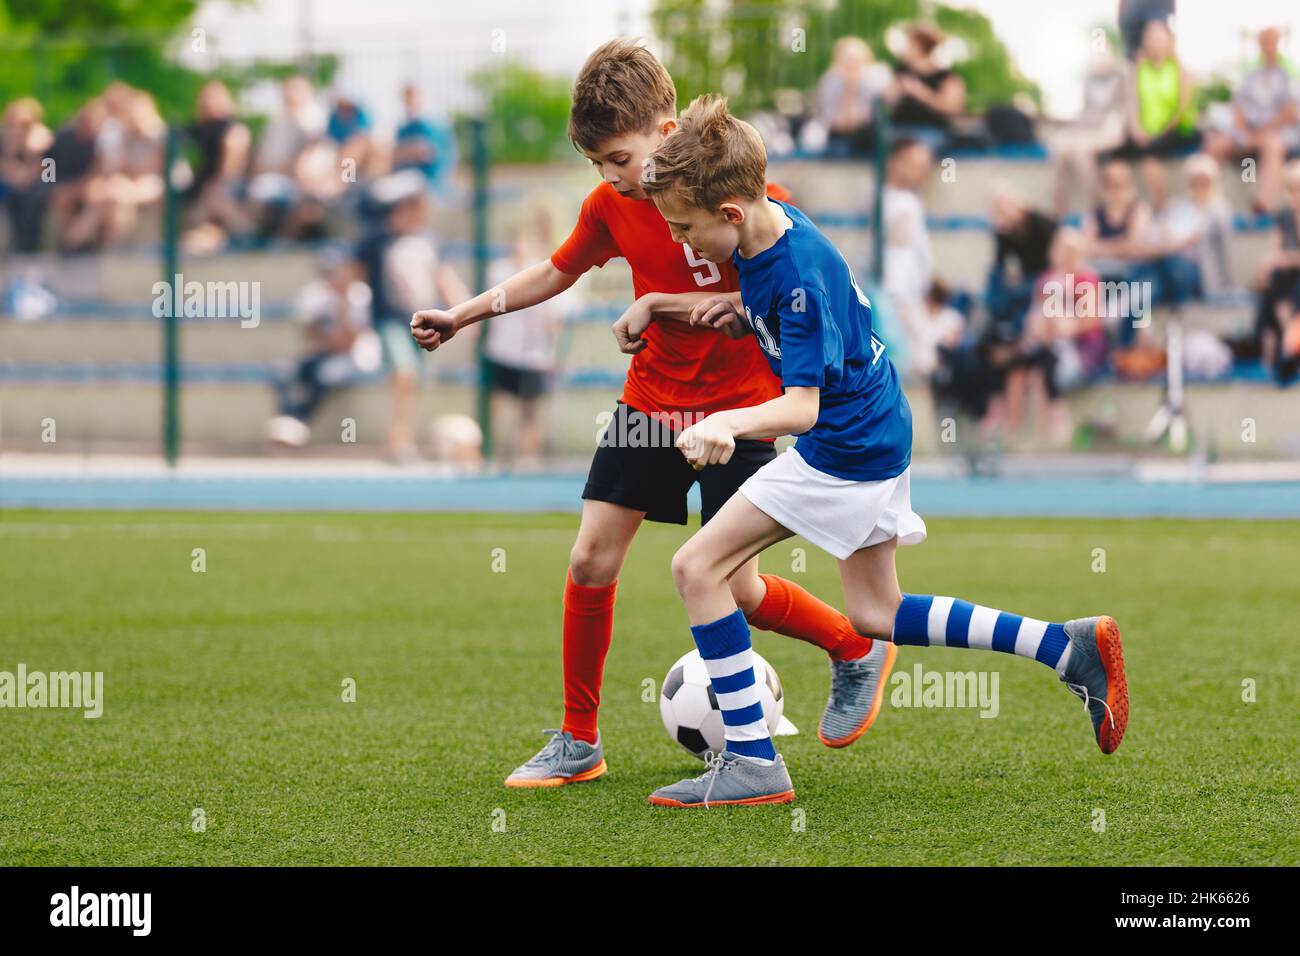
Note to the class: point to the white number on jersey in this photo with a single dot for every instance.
(710, 274)
(862, 296)
(765, 338)
(877, 349)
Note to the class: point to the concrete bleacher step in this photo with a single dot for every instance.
(235, 414)
(214, 341)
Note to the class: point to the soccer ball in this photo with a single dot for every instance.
(690, 709)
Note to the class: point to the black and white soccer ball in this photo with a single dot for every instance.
(690, 709)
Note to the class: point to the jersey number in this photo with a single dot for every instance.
(765, 338)
(710, 274)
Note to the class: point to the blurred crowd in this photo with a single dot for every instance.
(1069, 298)
(1065, 304)
(356, 316)
(84, 187)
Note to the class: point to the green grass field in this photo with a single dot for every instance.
(223, 691)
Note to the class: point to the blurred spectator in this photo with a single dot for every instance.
(908, 260)
(117, 113)
(926, 96)
(78, 220)
(521, 345)
(341, 346)
(424, 144)
(1161, 109)
(216, 194)
(1022, 238)
(1116, 232)
(24, 140)
(1133, 18)
(845, 98)
(1063, 346)
(1265, 122)
(1098, 128)
(350, 129)
(403, 270)
(940, 327)
(294, 172)
(131, 168)
(1277, 330)
(1191, 238)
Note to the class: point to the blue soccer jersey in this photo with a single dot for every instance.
(814, 325)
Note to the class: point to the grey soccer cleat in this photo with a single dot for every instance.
(855, 697)
(731, 780)
(1095, 674)
(564, 759)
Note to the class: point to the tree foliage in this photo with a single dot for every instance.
(752, 51)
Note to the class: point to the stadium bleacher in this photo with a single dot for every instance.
(95, 364)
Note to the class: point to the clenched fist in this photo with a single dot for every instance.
(432, 328)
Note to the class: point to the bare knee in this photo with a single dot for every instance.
(593, 565)
(692, 571)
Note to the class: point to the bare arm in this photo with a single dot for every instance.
(234, 157)
(1133, 108)
(713, 440)
(681, 305)
(790, 414)
(537, 283)
(717, 310)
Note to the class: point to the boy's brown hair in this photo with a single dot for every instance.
(711, 157)
(622, 88)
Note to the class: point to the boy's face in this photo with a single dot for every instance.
(620, 158)
(712, 235)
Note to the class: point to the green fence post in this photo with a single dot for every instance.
(880, 122)
(171, 343)
(481, 160)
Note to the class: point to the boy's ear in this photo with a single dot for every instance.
(732, 212)
(667, 126)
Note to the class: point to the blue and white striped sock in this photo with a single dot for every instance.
(923, 619)
(728, 657)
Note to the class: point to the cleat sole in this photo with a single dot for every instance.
(1111, 651)
(786, 797)
(890, 656)
(526, 783)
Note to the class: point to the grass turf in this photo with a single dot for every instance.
(223, 691)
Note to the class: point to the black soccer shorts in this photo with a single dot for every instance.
(638, 466)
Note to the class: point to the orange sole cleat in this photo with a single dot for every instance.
(786, 797)
(1111, 652)
(523, 783)
(890, 656)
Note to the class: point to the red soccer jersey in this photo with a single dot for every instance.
(684, 368)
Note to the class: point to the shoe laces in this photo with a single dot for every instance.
(1081, 691)
(717, 764)
(556, 746)
(845, 681)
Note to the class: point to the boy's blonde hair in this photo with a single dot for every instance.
(622, 88)
(711, 157)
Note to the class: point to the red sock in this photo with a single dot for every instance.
(588, 628)
(790, 610)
